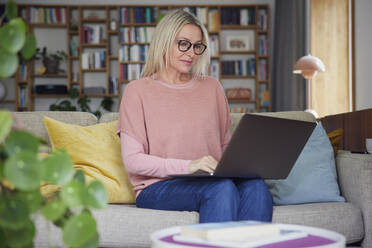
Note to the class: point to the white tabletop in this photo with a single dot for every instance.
(317, 237)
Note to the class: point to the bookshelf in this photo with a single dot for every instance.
(109, 44)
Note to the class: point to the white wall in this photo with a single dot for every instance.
(43, 35)
(363, 54)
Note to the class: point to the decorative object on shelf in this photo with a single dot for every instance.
(309, 66)
(237, 43)
(238, 93)
(2, 90)
(21, 186)
(14, 40)
(41, 70)
(113, 25)
(82, 102)
(51, 61)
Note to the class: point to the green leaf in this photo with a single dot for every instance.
(79, 175)
(13, 35)
(92, 243)
(13, 213)
(11, 10)
(32, 199)
(79, 230)
(73, 93)
(23, 170)
(21, 237)
(8, 62)
(29, 48)
(2, 238)
(5, 124)
(54, 210)
(58, 168)
(72, 194)
(18, 141)
(95, 195)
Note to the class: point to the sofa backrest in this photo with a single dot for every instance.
(33, 121)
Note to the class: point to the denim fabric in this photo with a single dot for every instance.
(216, 200)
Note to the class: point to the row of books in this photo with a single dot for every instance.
(136, 34)
(214, 45)
(74, 48)
(23, 97)
(214, 69)
(22, 72)
(262, 69)
(238, 16)
(47, 15)
(262, 19)
(91, 34)
(199, 12)
(130, 71)
(133, 52)
(213, 20)
(113, 85)
(263, 45)
(245, 67)
(137, 15)
(93, 60)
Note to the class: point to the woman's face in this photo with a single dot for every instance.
(182, 62)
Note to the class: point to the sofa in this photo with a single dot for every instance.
(125, 225)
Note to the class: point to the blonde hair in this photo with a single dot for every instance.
(162, 43)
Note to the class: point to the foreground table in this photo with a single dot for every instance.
(317, 237)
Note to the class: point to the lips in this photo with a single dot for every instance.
(187, 62)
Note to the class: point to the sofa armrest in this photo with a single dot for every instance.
(355, 180)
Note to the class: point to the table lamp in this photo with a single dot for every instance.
(309, 66)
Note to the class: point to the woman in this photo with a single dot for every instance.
(174, 120)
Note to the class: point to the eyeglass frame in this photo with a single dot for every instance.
(191, 45)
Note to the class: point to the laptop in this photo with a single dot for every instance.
(261, 147)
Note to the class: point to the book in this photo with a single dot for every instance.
(284, 235)
(231, 231)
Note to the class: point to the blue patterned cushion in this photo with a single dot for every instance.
(313, 178)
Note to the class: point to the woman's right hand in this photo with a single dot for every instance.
(206, 163)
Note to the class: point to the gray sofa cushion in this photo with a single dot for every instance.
(33, 121)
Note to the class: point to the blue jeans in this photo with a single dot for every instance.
(216, 200)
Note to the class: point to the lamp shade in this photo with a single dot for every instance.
(308, 66)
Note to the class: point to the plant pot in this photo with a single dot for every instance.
(52, 66)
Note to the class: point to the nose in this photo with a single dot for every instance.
(190, 52)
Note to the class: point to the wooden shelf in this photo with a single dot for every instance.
(7, 101)
(241, 101)
(134, 43)
(94, 70)
(138, 25)
(113, 65)
(238, 27)
(94, 45)
(48, 25)
(236, 77)
(132, 62)
(49, 95)
(238, 52)
(50, 76)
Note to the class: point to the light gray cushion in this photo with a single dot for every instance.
(344, 218)
(313, 177)
(33, 121)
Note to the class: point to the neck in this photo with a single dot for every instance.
(175, 77)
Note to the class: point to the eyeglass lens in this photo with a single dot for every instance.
(185, 45)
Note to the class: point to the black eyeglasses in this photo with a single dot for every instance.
(185, 45)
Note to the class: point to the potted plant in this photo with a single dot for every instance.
(51, 61)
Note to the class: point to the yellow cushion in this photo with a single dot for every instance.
(335, 138)
(96, 151)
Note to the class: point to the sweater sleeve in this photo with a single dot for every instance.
(137, 162)
(224, 116)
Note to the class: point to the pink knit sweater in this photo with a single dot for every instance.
(165, 126)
